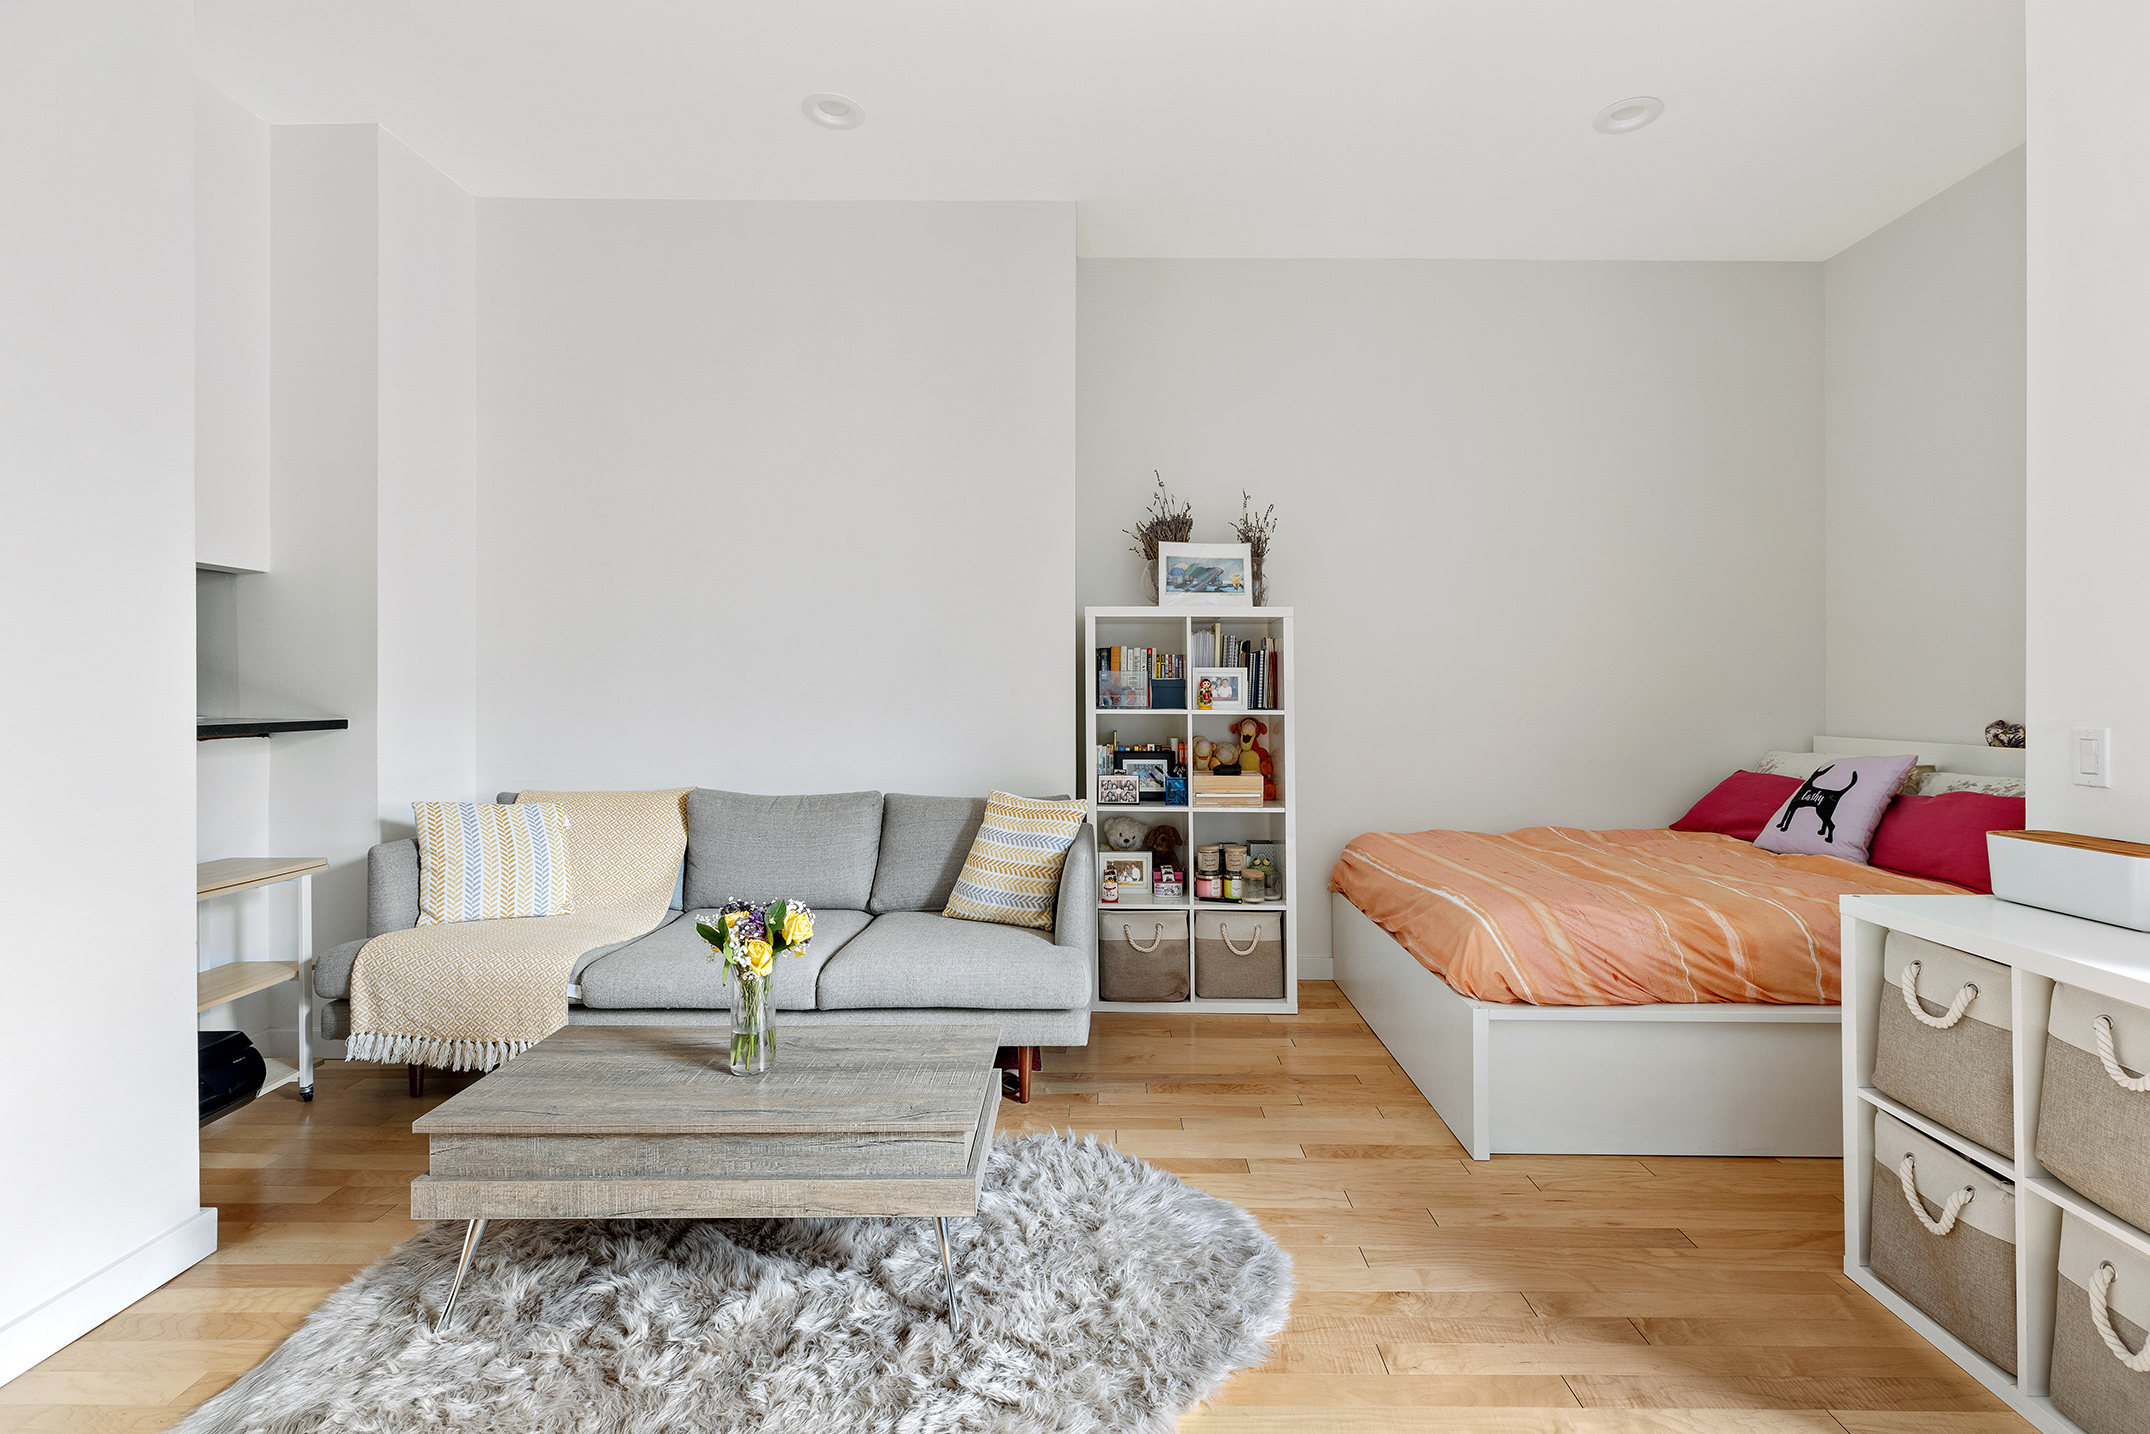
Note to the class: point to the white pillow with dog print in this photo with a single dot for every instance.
(1836, 808)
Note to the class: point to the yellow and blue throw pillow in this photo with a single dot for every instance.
(484, 862)
(1012, 875)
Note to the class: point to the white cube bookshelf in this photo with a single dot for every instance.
(2040, 948)
(1172, 630)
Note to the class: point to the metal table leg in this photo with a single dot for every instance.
(471, 1235)
(940, 1222)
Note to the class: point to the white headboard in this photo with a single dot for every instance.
(1945, 756)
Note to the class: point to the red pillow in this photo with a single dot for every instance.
(1943, 838)
(1739, 805)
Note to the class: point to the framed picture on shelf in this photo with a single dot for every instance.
(1130, 868)
(1152, 771)
(1205, 575)
(1220, 689)
(1118, 789)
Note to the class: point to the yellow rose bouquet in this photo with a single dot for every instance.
(748, 939)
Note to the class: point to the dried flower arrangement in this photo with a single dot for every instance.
(1255, 530)
(1169, 520)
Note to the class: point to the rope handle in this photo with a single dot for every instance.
(1252, 941)
(1156, 940)
(1956, 1008)
(2102, 1028)
(2101, 1290)
(1949, 1212)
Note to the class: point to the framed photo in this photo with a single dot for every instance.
(1130, 868)
(1219, 689)
(1205, 575)
(1118, 789)
(1151, 771)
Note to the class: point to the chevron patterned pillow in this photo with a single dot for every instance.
(1012, 875)
(482, 862)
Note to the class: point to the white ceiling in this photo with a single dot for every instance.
(1450, 128)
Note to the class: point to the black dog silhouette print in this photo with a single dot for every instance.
(1822, 799)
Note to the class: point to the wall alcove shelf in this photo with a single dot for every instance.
(207, 729)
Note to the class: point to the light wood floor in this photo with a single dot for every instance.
(1562, 1294)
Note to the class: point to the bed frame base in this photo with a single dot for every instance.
(1598, 1080)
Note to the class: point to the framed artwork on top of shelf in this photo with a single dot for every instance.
(1220, 689)
(1205, 575)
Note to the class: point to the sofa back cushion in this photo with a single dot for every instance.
(819, 849)
(924, 841)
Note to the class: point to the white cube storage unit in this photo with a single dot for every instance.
(2041, 950)
(1267, 923)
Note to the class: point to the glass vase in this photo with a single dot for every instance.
(753, 1036)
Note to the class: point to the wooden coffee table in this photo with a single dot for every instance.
(648, 1122)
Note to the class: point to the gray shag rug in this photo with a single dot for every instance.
(1096, 1293)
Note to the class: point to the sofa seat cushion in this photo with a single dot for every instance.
(818, 849)
(672, 968)
(913, 958)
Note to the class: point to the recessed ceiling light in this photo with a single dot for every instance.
(834, 111)
(1622, 116)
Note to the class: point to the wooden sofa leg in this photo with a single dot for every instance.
(417, 1074)
(1016, 1063)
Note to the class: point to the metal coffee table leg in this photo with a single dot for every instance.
(474, 1232)
(941, 1223)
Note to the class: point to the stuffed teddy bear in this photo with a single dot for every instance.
(1252, 758)
(1205, 754)
(1164, 841)
(1121, 833)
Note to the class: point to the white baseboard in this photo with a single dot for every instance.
(1313, 967)
(67, 1316)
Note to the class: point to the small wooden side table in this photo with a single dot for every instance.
(234, 979)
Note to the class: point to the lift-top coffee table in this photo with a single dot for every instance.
(648, 1122)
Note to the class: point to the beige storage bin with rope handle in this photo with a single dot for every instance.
(1943, 1235)
(2101, 1331)
(2094, 1107)
(1239, 955)
(1944, 1038)
(1141, 955)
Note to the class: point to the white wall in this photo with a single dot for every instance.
(231, 334)
(1552, 531)
(2089, 423)
(776, 497)
(1923, 380)
(427, 520)
(307, 627)
(100, 1197)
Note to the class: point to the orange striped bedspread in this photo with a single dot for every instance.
(1553, 916)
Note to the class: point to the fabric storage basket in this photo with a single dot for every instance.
(1943, 1235)
(2101, 1364)
(1239, 955)
(2094, 1109)
(1943, 1043)
(1141, 955)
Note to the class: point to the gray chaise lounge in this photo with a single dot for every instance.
(876, 870)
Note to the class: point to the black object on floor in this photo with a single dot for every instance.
(231, 1072)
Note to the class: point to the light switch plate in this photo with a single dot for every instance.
(2090, 757)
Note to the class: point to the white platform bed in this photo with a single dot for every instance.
(1717, 1079)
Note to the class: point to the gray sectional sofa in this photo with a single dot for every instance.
(877, 870)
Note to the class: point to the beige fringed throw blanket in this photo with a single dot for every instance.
(470, 995)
